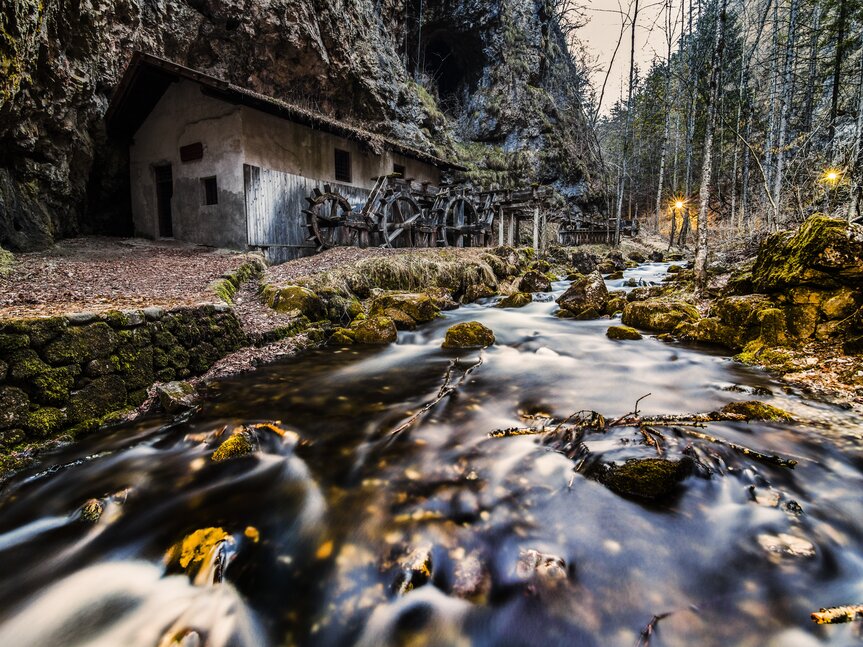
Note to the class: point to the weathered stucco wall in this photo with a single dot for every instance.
(184, 115)
(281, 145)
(65, 374)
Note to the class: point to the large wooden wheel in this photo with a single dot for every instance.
(461, 225)
(325, 218)
(400, 217)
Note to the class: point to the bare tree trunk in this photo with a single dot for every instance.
(667, 100)
(673, 228)
(707, 159)
(857, 165)
(772, 121)
(837, 74)
(809, 97)
(783, 111)
(628, 126)
(744, 191)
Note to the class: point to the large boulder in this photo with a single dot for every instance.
(588, 292)
(660, 315)
(645, 478)
(583, 262)
(534, 281)
(823, 252)
(469, 334)
(517, 300)
(296, 300)
(374, 330)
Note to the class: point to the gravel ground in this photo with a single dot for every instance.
(98, 274)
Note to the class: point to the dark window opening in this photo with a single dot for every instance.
(164, 192)
(210, 190)
(400, 169)
(343, 166)
(192, 152)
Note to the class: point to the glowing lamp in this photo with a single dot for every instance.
(678, 204)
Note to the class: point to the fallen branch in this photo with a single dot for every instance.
(771, 459)
(838, 615)
(445, 390)
(515, 431)
(647, 632)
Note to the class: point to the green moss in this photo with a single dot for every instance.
(647, 478)
(622, 332)
(469, 334)
(296, 300)
(341, 337)
(10, 343)
(45, 422)
(237, 444)
(417, 306)
(658, 314)
(374, 330)
(102, 396)
(77, 345)
(754, 410)
(534, 281)
(135, 365)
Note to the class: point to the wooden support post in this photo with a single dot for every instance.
(536, 229)
(500, 226)
(512, 225)
(544, 237)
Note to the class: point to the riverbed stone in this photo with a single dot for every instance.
(534, 281)
(296, 300)
(658, 314)
(622, 332)
(374, 330)
(755, 410)
(416, 305)
(236, 445)
(468, 334)
(645, 478)
(177, 396)
(588, 292)
(517, 300)
(544, 567)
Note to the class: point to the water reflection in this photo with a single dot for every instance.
(340, 507)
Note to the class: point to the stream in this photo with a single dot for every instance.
(320, 518)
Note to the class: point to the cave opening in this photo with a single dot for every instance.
(452, 63)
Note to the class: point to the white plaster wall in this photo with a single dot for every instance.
(184, 115)
(281, 145)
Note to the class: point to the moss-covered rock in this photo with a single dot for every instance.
(646, 478)
(100, 397)
(840, 304)
(341, 307)
(615, 305)
(468, 334)
(615, 276)
(534, 281)
(754, 410)
(583, 262)
(237, 444)
(196, 550)
(374, 330)
(823, 251)
(134, 364)
(589, 292)
(40, 331)
(660, 315)
(10, 343)
(517, 300)
(44, 422)
(177, 396)
(709, 330)
(341, 337)
(622, 332)
(296, 300)
(417, 305)
(78, 344)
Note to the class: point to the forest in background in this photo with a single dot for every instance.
(753, 119)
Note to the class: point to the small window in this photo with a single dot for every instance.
(399, 169)
(343, 166)
(192, 152)
(210, 190)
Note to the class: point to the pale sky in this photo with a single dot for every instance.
(601, 33)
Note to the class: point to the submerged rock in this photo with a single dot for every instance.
(645, 478)
(469, 334)
(197, 551)
(660, 315)
(533, 564)
(534, 281)
(589, 292)
(92, 510)
(622, 332)
(517, 300)
(237, 444)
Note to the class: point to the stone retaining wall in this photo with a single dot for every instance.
(68, 374)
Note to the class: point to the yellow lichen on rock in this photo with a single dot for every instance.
(238, 444)
(196, 547)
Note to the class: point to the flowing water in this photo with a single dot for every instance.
(318, 522)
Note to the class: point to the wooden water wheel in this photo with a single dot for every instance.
(326, 216)
(461, 224)
(400, 218)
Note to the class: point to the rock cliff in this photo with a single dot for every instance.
(488, 82)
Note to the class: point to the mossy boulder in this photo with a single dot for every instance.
(645, 478)
(374, 330)
(340, 308)
(39, 331)
(615, 305)
(589, 292)
(534, 281)
(659, 315)
(709, 330)
(615, 276)
(840, 304)
(501, 268)
(177, 396)
(755, 410)
(823, 251)
(296, 300)
(10, 343)
(622, 332)
(468, 334)
(517, 300)
(78, 344)
(44, 422)
(341, 337)
(134, 364)
(416, 305)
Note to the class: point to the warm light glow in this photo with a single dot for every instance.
(678, 204)
(832, 175)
